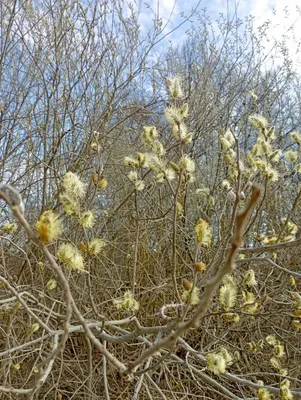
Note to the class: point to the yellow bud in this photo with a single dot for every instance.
(279, 350)
(41, 265)
(34, 328)
(141, 158)
(231, 317)
(83, 247)
(103, 183)
(200, 266)
(51, 284)
(292, 281)
(264, 394)
(9, 227)
(297, 323)
(298, 313)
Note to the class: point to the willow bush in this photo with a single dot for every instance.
(150, 249)
(163, 282)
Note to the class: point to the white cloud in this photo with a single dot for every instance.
(284, 21)
(284, 18)
(166, 8)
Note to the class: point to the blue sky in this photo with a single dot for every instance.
(282, 16)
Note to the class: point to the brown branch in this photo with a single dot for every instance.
(270, 247)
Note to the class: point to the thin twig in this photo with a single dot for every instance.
(289, 216)
(140, 381)
(44, 374)
(28, 310)
(136, 246)
(211, 287)
(270, 247)
(269, 261)
(105, 377)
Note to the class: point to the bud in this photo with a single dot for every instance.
(51, 284)
(200, 266)
(96, 147)
(174, 166)
(9, 227)
(12, 197)
(94, 177)
(34, 327)
(231, 196)
(297, 323)
(231, 317)
(83, 247)
(292, 281)
(187, 285)
(141, 158)
(103, 183)
(41, 265)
